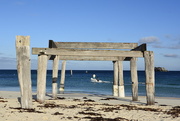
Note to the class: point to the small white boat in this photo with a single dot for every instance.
(96, 80)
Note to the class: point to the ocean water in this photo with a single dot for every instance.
(167, 84)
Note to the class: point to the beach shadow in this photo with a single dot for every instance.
(49, 95)
(19, 99)
(110, 98)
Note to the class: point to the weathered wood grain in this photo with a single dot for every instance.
(41, 78)
(96, 45)
(55, 76)
(63, 71)
(89, 58)
(149, 71)
(86, 52)
(134, 78)
(121, 92)
(115, 82)
(24, 70)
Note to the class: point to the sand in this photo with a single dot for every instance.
(88, 107)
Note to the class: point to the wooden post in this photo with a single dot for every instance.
(24, 70)
(121, 80)
(63, 70)
(149, 70)
(115, 83)
(134, 78)
(55, 76)
(41, 78)
(71, 72)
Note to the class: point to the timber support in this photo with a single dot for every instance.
(41, 77)
(149, 70)
(121, 92)
(134, 78)
(63, 71)
(24, 70)
(55, 76)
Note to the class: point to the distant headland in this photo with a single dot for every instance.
(161, 69)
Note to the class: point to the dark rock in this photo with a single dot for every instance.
(161, 69)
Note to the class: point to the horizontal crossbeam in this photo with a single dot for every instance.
(86, 52)
(92, 45)
(87, 58)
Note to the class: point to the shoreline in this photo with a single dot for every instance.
(173, 101)
(88, 107)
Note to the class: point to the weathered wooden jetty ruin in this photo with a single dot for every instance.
(95, 51)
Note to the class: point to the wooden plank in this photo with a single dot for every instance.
(150, 79)
(55, 76)
(41, 78)
(52, 44)
(134, 78)
(63, 71)
(141, 47)
(96, 45)
(24, 70)
(120, 79)
(84, 52)
(88, 58)
(115, 82)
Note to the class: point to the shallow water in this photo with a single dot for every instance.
(167, 84)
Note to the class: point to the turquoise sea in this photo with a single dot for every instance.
(167, 84)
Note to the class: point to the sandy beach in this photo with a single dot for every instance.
(88, 107)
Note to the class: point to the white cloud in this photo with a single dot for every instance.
(149, 40)
(171, 55)
(174, 38)
(175, 46)
(7, 59)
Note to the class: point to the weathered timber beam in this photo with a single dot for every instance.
(55, 76)
(87, 58)
(150, 78)
(141, 47)
(41, 78)
(24, 70)
(121, 92)
(115, 79)
(134, 78)
(52, 44)
(96, 45)
(83, 52)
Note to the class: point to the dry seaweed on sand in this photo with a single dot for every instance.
(174, 112)
(32, 110)
(51, 105)
(106, 119)
(90, 113)
(89, 100)
(109, 98)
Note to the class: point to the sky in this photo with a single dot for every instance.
(155, 22)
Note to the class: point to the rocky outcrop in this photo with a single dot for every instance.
(161, 69)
